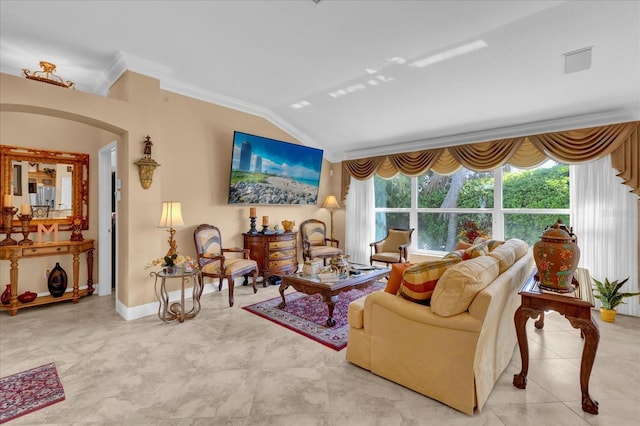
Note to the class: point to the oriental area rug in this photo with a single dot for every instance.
(28, 391)
(307, 314)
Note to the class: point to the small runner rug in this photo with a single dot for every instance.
(307, 314)
(28, 391)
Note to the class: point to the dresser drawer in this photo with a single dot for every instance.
(282, 254)
(280, 263)
(42, 251)
(276, 245)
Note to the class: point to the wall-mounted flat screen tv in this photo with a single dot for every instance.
(268, 171)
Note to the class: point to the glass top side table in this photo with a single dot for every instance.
(170, 311)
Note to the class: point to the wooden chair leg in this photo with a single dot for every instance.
(230, 281)
(255, 277)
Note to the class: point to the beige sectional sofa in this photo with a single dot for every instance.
(455, 359)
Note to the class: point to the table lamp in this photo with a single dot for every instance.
(171, 216)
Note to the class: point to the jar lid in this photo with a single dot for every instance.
(556, 233)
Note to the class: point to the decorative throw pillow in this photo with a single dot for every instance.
(460, 284)
(491, 244)
(462, 245)
(419, 280)
(395, 277)
(475, 250)
(456, 254)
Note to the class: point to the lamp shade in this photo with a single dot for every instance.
(171, 215)
(331, 203)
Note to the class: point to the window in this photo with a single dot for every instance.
(505, 203)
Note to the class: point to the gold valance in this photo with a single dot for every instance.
(568, 147)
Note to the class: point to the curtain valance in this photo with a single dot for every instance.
(568, 147)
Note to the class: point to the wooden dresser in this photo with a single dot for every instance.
(276, 254)
(16, 253)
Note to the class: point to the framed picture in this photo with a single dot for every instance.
(16, 182)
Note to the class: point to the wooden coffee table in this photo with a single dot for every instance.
(311, 284)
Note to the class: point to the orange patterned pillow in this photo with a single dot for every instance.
(395, 277)
(419, 281)
(462, 245)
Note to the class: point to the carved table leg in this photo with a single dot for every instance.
(520, 319)
(591, 333)
(13, 279)
(539, 324)
(282, 288)
(331, 303)
(76, 278)
(90, 288)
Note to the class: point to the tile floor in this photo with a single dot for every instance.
(230, 367)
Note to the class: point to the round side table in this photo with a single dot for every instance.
(168, 311)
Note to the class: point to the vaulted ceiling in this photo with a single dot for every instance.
(355, 78)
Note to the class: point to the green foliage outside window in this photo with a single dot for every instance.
(541, 188)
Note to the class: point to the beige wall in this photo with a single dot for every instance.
(192, 142)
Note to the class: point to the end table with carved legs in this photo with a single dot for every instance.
(577, 309)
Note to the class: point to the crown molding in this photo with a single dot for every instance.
(599, 118)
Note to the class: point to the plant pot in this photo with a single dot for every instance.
(608, 315)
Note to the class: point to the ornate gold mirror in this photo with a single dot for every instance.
(54, 184)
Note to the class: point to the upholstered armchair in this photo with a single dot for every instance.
(217, 262)
(315, 242)
(393, 248)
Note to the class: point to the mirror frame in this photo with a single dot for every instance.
(79, 184)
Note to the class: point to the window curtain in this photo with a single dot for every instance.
(360, 220)
(606, 223)
(567, 147)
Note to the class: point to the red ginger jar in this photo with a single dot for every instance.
(556, 256)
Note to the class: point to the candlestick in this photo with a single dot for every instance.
(253, 229)
(252, 212)
(25, 219)
(25, 209)
(7, 214)
(265, 220)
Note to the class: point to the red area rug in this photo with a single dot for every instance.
(307, 314)
(28, 391)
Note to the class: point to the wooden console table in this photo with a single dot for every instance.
(15, 253)
(577, 309)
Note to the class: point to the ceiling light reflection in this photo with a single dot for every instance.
(457, 51)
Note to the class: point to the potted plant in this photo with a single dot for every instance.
(610, 297)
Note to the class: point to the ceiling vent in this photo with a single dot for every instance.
(578, 60)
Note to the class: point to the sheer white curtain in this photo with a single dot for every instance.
(360, 220)
(606, 223)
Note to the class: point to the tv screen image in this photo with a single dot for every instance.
(268, 171)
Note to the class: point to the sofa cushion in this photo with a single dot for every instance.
(418, 281)
(460, 284)
(506, 255)
(395, 277)
(521, 247)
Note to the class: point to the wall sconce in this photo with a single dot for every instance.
(332, 204)
(171, 216)
(146, 165)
